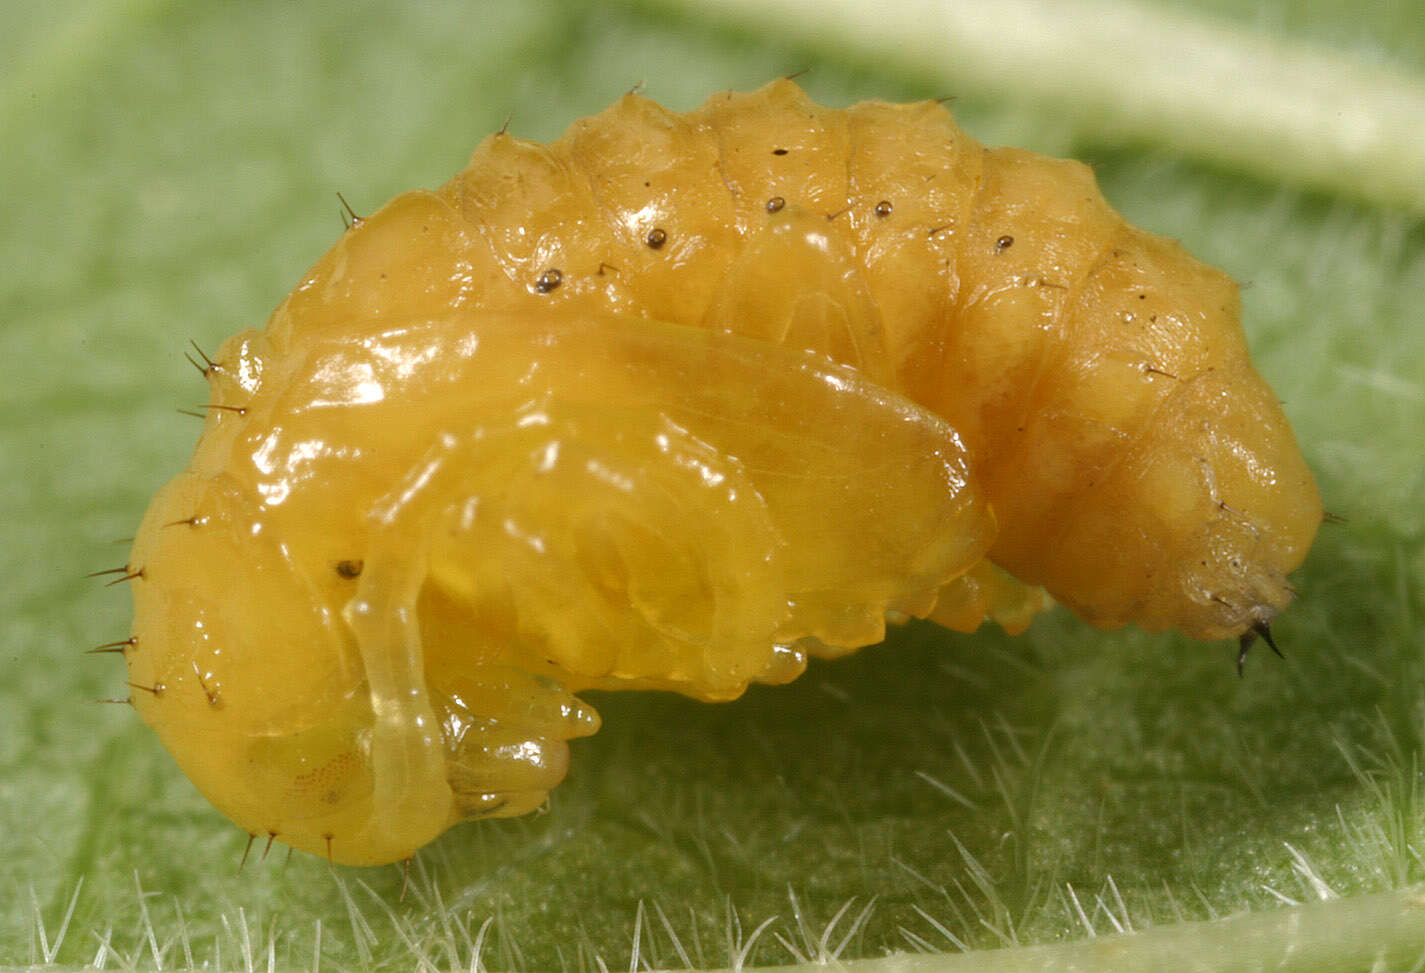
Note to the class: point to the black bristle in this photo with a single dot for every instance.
(1248, 638)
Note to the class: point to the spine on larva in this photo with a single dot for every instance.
(671, 403)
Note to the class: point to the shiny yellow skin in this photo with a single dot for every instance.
(505, 442)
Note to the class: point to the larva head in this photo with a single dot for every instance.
(247, 665)
(246, 673)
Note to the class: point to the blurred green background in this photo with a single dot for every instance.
(170, 168)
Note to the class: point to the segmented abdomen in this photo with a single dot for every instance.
(1139, 467)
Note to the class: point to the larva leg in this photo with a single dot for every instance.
(988, 591)
(505, 733)
(985, 592)
(411, 799)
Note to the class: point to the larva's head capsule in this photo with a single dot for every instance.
(249, 677)
(249, 667)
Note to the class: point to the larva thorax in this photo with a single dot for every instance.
(669, 404)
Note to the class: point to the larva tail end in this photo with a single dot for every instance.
(1258, 629)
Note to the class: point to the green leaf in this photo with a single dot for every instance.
(170, 170)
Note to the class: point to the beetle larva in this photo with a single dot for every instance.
(669, 404)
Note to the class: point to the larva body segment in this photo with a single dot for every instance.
(669, 404)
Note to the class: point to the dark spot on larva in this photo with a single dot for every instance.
(1004, 243)
(775, 204)
(656, 238)
(549, 280)
(349, 569)
(779, 151)
(883, 208)
(1142, 297)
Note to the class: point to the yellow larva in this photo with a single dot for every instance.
(672, 403)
